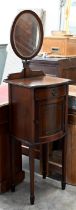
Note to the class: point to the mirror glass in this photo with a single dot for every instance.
(27, 34)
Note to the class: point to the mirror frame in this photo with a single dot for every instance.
(40, 39)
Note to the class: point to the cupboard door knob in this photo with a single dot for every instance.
(37, 122)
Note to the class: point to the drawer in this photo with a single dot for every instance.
(47, 93)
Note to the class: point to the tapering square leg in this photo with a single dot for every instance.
(13, 172)
(31, 165)
(44, 159)
(63, 182)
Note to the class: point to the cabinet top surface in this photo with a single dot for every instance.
(61, 37)
(52, 59)
(72, 90)
(40, 81)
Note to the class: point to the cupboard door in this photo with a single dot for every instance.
(50, 118)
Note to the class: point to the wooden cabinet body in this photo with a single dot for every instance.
(5, 164)
(33, 103)
(71, 140)
(64, 45)
(71, 145)
(60, 67)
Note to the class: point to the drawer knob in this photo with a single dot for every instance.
(54, 92)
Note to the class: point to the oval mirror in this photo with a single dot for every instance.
(26, 34)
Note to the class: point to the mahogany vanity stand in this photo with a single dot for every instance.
(38, 103)
(43, 100)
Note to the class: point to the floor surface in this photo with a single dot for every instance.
(48, 195)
